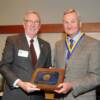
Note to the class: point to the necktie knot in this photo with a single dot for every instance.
(31, 41)
(71, 43)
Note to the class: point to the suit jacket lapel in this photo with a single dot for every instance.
(42, 54)
(24, 44)
(77, 50)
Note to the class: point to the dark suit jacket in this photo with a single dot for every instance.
(83, 68)
(15, 65)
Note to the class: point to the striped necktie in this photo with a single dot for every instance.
(33, 53)
(71, 43)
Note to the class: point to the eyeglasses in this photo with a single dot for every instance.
(32, 22)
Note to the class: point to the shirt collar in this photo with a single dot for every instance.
(76, 37)
(28, 38)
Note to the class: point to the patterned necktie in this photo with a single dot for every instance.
(33, 53)
(71, 43)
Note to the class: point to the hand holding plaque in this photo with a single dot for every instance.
(48, 79)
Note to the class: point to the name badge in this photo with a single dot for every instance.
(23, 53)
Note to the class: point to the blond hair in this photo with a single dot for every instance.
(32, 12)
(72, 11)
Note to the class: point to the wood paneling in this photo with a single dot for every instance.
(48, 28)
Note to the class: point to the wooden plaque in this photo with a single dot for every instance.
(48, 79)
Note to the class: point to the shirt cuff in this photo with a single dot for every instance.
(15, 83)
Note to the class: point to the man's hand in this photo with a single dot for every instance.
(27, 86)
(64, 88)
